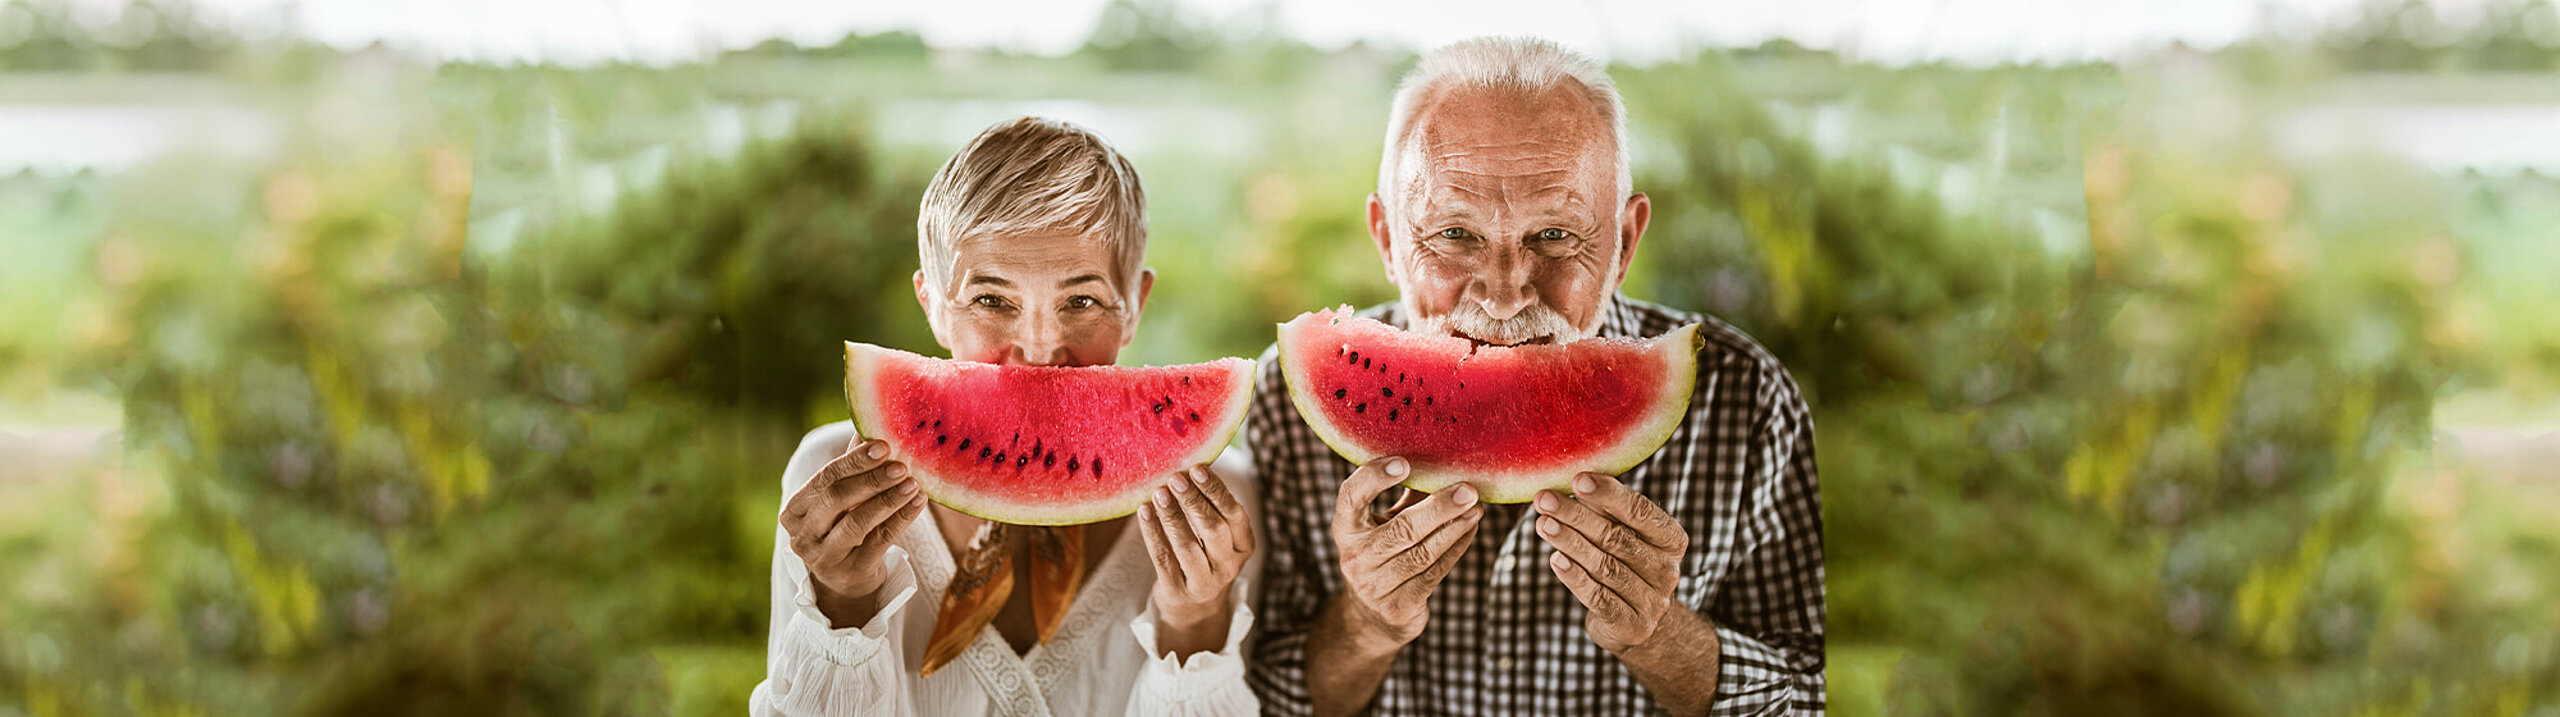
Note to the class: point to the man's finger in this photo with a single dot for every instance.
(1605, 493)
(1617, 574)
(1599, 600)
(1351, 505)
(1159, 549)
(1608, 537)
(1421, 584)
(1425, 517)
(1215, 486)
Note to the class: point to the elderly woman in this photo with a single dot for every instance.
(1032, 239)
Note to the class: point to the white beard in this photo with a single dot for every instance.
(1469, 319)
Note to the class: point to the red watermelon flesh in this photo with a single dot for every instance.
(1510, 420)
(1044, 445)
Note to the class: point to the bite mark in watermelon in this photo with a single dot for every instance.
(1044, 445)
(1510, 420)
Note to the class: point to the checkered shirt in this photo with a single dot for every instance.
(1505, 635)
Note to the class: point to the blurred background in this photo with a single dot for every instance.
(2171, 358)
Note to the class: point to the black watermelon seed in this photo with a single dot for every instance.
(1097, 466)
(1195, 416)
(1426, 400)
(1159, 408)
(939, 440)
(1049, 461)
(1364, 363)
(1074, 464)
(982, 452)
(964, 444)
(919, 425)
(1186, 380)
(1020, 461)
(1360, 408)
(1387, 392)
(937, 423)
(1338, 393)
(1408, 400)
(1355, 357)
(999, 458)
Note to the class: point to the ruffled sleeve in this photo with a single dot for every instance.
(1205, 683)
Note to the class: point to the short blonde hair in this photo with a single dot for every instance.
(1521, 65)
(1031, 174)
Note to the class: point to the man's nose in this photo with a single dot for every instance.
(1503, 287)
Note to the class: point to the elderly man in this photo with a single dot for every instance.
(1691, 584)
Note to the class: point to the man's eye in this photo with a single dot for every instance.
(1082, 302)
(989, 301)
(1554, 234)
(1453, 233)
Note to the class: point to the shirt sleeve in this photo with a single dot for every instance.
(1292, 594)
(1770, 618)
(815, 668)
(1205, 683)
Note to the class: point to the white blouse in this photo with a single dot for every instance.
(1101, 661)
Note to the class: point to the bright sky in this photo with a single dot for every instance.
(1975, 30)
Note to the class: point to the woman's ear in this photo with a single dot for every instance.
(1146, 286)
(932, 309)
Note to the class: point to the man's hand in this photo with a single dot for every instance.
(1199, 537)
(1620, 555)
(842, 523)
(1392, 563)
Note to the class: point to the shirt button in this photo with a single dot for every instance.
(1502, 665)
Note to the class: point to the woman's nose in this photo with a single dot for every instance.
(1042, 341)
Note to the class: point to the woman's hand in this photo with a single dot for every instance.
(842, 523)
(1200, 538)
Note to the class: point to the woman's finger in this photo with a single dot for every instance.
(1207, 521)
(1160, 550)
(1177, 531)
(875, 544)
(1240, 526)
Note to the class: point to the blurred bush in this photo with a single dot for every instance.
(473, 398)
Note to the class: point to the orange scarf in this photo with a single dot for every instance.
(983, 579)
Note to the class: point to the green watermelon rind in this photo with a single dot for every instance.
(1678, 349)
(859, 366)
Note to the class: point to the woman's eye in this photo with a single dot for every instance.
(1453, 233)
(1554, 234)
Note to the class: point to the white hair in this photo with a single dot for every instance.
(1522, 65)
(1031, 174)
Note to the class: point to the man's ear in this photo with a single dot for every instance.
(1384, 237)
(1631, 222)
(1146, 287)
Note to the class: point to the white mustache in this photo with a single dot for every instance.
(1533, 322)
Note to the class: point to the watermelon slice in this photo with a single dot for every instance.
(1510, 420)
(1043, 445)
